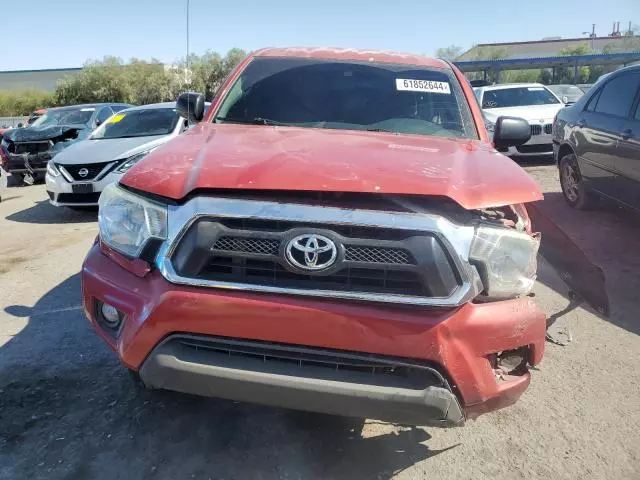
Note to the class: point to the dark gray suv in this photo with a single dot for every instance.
(596, 142)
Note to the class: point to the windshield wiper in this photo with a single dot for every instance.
(251, 121)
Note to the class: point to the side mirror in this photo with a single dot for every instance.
(190, 105)
(20, 125)
(510, 132)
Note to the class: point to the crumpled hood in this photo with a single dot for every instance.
(229, 156)
(531, 113)
(34, 134)
(104, 150)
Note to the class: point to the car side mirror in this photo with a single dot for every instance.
(20, 125)
(510, 132)
(190, 105)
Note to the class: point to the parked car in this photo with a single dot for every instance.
(78, 174)
(597, 142)
(569, 94)
(532, 101)
(26, 151)
(337, 234)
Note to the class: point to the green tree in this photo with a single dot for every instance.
(449, 53)
(208, 71)
(23, 102)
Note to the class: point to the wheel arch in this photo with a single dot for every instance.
(565, 149)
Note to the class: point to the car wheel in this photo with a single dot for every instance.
(573, 187)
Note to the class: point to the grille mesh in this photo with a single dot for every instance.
(536, 129)
(263, 246)
(392, 256)
(548, 128)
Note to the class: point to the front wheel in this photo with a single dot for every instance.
(573, 186)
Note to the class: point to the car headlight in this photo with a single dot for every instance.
(506, 260)
(127, 221)
(132, 160)
(52, 169)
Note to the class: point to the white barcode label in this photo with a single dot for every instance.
(410, 85)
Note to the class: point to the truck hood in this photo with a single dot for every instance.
(104, 150)
(215, 156)
(531, 113)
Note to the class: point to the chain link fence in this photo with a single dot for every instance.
(12, 122)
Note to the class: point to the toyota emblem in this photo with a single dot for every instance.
(83, 172)
(311, 252)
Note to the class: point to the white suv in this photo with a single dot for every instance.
(532, 101)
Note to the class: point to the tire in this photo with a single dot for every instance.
(573, 187)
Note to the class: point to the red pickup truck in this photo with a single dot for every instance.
(336, 234)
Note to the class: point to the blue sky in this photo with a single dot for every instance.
(65, 33)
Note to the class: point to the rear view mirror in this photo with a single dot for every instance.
(565, 99)
(190, 105)
(510, 132)
(98, 123)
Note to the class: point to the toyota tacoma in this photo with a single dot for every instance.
(337, 234)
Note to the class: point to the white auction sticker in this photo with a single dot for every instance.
(411, 85)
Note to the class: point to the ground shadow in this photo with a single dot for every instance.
(534, 161)
(610, 237)
(43, 212)
(69, 410)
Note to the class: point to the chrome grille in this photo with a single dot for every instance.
(548, 128)
(536, 129)
(264, 246)
(93, 170)
(392, 256)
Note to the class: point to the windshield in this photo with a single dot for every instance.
(518, 97)
(138, 123)
(572, 92)
(66, 116)
(348, 95)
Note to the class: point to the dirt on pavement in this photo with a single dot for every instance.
(69, 411)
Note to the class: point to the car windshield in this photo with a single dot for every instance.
(518, 97)
(65, 116)
(572, 92)
(138, 123)
(349, 96)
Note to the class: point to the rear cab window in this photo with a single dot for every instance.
(350, 95)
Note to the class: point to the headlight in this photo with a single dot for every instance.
(506, 260)
(52, 169)
(132, 160)
(128, 221)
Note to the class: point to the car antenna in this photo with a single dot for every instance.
(187, 68)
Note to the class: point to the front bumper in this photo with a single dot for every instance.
(33, 163)
(458, 342)
(61, 193)
(538, 145)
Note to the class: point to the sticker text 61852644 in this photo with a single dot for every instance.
(412, 85)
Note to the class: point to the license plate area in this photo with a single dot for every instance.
(82, 187)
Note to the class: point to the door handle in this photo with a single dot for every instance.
(582, 123)
(626, 134)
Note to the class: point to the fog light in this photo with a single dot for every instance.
(109, 315)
